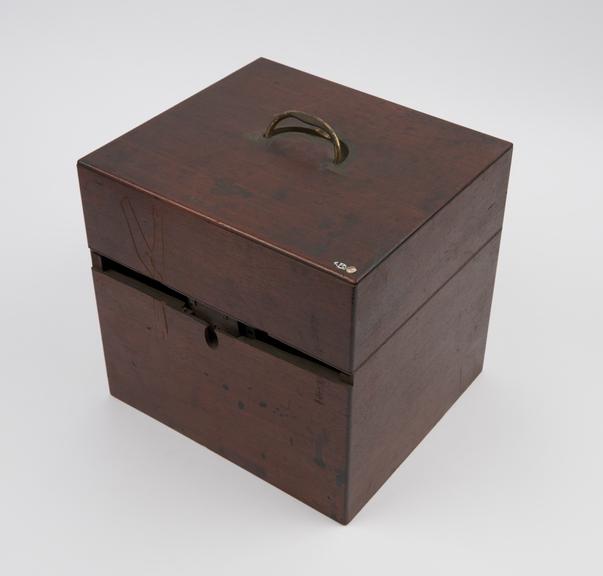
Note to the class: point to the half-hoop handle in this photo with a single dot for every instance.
(315, 127)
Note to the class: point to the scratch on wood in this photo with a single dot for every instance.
(157, 244)
(165, 320)
(161, 321)
(150, 254)
(132, 223)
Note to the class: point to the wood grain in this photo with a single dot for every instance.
(402, 391)
(393, 291)
(280, 417)
(207, 155)
(297, 304)
(288, 420)
(195, 220)
(197, 199)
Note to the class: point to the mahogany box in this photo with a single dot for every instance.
(296, 275)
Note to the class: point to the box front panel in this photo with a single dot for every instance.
(279, 416)
(300, 305)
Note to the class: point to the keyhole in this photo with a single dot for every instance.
(211, 337)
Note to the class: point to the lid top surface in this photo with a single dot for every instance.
(208, 155)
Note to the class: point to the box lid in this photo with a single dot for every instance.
(322, 227)
(208, 155)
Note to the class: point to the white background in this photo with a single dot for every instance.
(509, 482)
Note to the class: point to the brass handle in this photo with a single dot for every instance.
(318, 128)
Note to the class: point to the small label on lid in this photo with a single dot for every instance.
(345, 267)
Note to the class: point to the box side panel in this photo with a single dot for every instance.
(410, 382)
(284, 420)
(300, 305)
(407, 278)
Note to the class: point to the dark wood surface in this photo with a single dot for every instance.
(297, 304)
(282, 418)
(392, 292)
(198, 200)
(207, 155)
(288, 420)
(248, 230)
(402, 391)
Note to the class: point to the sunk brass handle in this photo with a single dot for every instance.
(316, 127)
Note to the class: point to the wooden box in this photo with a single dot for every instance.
(305, 297)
